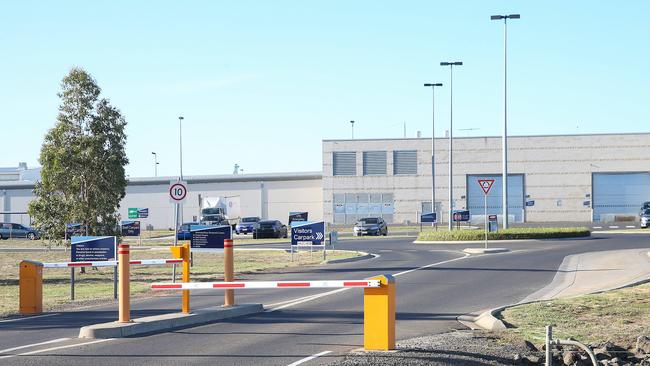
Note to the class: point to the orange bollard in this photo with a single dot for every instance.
(379, 315)
(123, 258)
(31, 288)
(228, 271)
(183, 252)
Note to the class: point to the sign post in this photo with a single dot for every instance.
(486, 185)
(177, 193)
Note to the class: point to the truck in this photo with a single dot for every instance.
(219, 210)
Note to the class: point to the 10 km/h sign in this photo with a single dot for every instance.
(177, 191)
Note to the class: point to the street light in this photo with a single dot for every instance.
(155, 164)
(180, 140)
(352, 123)
(451, 133)
(433, 145)
(504, 177)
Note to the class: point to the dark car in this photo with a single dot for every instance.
(645, 218)
(184, 231)
(270, 229)
(371, 226)
(10, 230)
(246, 225)
(645, 206)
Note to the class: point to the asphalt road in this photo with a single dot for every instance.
(435, 284)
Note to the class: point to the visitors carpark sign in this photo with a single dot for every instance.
(308, 233)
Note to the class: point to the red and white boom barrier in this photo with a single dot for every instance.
(144, 262)
(265, 284)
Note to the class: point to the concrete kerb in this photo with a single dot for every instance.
(363, 256)
(499, 241)
(167, 322)
(485, 250)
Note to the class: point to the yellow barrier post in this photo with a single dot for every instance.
(30, 285)
(379, 315)
(183, 252)
(124, 266)
(228, 271)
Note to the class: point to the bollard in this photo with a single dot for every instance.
(31, 288)
(183, 252)
(379, 315)
(228, 271)
(123, 258)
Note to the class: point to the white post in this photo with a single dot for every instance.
(505, 124)
(486, 222)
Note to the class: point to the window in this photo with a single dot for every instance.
(345, 163)
(350, 207)
(405, 162)
(374, 163)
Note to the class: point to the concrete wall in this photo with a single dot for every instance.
(267, 195)
(554, 168)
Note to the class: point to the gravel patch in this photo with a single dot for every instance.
(470, 348)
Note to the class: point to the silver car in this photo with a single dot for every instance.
(645, 218)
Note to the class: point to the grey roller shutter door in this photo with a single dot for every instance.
(405, 162)
(374, 163)
(345, 163)
(619, 196)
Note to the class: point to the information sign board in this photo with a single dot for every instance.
(130, 228)
(93, 248)
(428, 217)
(308, 233)
(209, 238)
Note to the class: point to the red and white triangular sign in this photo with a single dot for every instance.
(486, 184)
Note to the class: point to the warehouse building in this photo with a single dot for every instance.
(578, 178)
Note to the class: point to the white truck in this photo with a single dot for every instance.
(221, 210)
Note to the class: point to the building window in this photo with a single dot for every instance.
(345, 163)
(374, 163)
(405, 162)
(350, 207)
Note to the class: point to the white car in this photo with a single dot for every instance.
(645, 218)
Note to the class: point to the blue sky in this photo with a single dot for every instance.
(261, 83)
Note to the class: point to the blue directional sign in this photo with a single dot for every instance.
(93, 248)
(74, 229)
(298, 216)
(428, 217)
(308, 233)
(530, 203)
(143, 213)
(207, 238)
(460, 215)
(130, 228)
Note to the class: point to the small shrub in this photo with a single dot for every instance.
(507, 234)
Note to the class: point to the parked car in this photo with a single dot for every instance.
(645, 218)
(184, 231)
(270, 229)
(645, 206)
(371, 226)
(10, 230)
(247, 225)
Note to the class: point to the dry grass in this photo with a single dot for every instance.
(98, 283)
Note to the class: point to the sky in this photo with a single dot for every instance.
(262, 83)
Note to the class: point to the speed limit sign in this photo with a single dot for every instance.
(177, 191)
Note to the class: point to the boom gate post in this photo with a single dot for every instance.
(183, 252)
(31, 287)
(123, 257)
(228, 271)
(379, 315)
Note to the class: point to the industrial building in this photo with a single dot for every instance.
(552, 178)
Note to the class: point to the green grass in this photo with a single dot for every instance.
(97, 284)
(619, 316)
(507, 234)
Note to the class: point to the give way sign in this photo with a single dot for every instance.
(486, 184)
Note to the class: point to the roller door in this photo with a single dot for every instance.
(475, 196)
(619, 196)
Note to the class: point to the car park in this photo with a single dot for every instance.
(247, 225)
(11, 230)
(645, 218)
(371, 226)
(270, 229)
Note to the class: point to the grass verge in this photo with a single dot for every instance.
(97, 284)
(507, 234)
(618, 316)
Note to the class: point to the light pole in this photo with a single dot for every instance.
(352, 123)
(451, 134)
(433, 145)
(504, 177)
(155, 164)
(180, 141)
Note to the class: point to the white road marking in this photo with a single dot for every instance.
(309, 358)
(630, 226)
(27, 318)
(286, 304)
(598, 227)
(34, 345)
(385, 250)
(57, 348)
(613, 227)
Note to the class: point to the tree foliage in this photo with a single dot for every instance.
(83, 158)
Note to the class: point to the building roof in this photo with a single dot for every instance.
(495, 136)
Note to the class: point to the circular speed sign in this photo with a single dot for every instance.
(177, 191)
